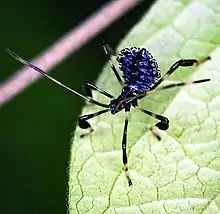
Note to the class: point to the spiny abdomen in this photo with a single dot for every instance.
(140, 69)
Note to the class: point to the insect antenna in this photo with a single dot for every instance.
(23, 61)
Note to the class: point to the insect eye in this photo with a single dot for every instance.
(122, 106)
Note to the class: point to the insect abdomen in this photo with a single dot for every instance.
(140, 69)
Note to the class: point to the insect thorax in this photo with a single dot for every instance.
(124, 101)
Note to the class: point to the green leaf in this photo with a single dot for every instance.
(180, 173)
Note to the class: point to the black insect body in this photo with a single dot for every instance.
(140, 72)
(141, 77)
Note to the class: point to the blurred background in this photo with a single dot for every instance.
(36, 126)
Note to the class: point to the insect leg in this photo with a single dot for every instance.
(21, 60)
(88, 87)
(162, 125)
(180, 63)
(170, 86)
(107, 51)
(124, 148)
(83, 124)
(180, 84)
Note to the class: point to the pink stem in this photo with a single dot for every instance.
(69, 43)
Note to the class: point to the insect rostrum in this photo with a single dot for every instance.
(141, 77)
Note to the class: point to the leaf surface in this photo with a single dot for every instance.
(180, 173)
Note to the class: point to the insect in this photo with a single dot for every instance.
(141, 77)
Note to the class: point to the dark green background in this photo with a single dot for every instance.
(35, 128)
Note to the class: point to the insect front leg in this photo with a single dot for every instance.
(84, 124)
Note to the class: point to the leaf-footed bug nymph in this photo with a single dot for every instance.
(141, 77)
